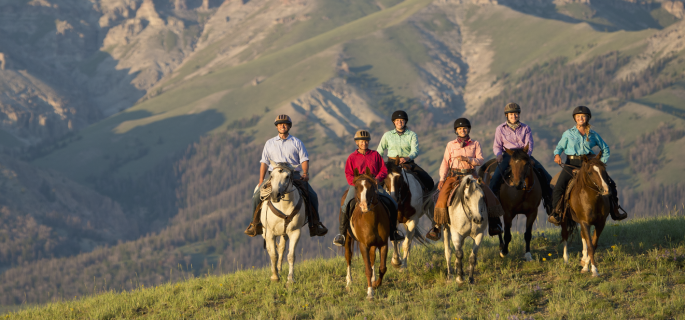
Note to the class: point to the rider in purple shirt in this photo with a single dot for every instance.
(513, 134)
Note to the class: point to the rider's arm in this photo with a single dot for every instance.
(349, 171)
(478, 159)
(604, 146)
(444, 166)
(383, 172)
(414, 147)
(262, 172)
(382, 146)
(561, 146)
(528, 140)
(305, 167)
(497, 144)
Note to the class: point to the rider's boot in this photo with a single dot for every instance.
(615, 213)
(395, 234)
(434, 233)
(255, 226)
(316, 228)
(554, 218)
(494, 226)
(339, 239)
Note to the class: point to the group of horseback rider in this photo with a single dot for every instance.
(461, 157)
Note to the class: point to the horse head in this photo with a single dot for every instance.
(593, 172)
(521, 167)
(365, 186)
(394, 181)
(472, 199)
(281, 180)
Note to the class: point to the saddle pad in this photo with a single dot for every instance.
(450, 199)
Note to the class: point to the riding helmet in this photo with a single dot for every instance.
(512, 107)
(399, 114)
(582, 110)
(283, 118)
(362, 135)
(462, 122)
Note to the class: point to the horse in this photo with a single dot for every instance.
(282, 217)
(370, 226)
(589, 204)
(406, 189)
(520, 194)
(468, 218)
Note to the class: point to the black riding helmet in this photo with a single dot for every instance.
(462, 122)
(399, 114)
(582, 110)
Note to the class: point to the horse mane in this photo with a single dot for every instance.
(519, 155)
(466, 181)
(392, 167)
(582, 178)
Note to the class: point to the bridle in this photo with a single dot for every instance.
(597, 188)
(528, 165)
(289, 184)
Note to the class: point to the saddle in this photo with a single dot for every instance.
(265, 193)
(563, 207)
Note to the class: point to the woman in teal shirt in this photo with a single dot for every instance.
(575, 143)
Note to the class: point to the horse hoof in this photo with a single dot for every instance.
(501, 254)
(275, 279)
(459, 280)
(471, 281)
(528, 257)
(370, 298)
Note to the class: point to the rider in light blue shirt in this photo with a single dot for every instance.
(572, 143)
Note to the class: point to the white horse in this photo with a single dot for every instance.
(399, 183)
(468, 218)
(286, 199)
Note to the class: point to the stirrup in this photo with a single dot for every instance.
(396, 236)
(619, 216)
(553, 220)
(433, 234)
(253, 230)
(339, 240)
(317, 230)
(495, 230)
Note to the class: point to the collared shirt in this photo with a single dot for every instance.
(371, 159)
(290, 150)
(453, 150)
(505, 137)
(574, 144)
(405, 145)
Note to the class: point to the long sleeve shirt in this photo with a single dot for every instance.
(505, 137)
(453, 150)
(290, 150)
(371, 159)
(574, 144)
(405, 145)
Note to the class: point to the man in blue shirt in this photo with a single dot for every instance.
(286, 148)
(575, 143)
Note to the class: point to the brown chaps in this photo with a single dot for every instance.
(442, 217)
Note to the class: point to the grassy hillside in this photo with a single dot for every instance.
(640, 262)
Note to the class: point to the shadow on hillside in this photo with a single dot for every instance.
(603, 16)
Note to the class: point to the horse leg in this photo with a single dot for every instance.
(458, 241)
(473, 259)
(294, 239)
(372, 258)
(348, 258)
(501, 245)
(528, 235)
(281, 250)
(564, 237)
(448, 253)
(382, 268)
(585, 236)
(271, 249)
(396, 262)
(595, 239)
(367, 269)
(406, 247)
(504, 250)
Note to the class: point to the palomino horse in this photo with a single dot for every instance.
(468, 218)
(411, 206)
(521, 193)
(282, 215)
(370, 225)
(589, 205)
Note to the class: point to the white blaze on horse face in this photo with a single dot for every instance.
(605, 187)
(391, 186)
(362, 199)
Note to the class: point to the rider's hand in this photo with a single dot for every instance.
(403, 160)
(557, 159)
(500, 158)
(464, 158)
(305, 176)
(440, 185)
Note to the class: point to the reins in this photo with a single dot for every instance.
(565, 166)
(288, 218)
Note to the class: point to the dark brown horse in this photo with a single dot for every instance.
(370, 226)
(520, 194)
(589, 205)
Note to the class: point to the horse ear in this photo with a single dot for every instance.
(509, 151)
(599, 155)
(356, 172)
(397, 161)
(525, 149)
(367, 171)
(273, 164)
(584, 157)
(480, 180)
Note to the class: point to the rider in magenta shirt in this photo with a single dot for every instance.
(371, 159)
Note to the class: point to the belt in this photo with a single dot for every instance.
(463, 171)
(580, 157)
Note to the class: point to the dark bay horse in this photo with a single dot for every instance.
(521, 193)
(589, 205)
(370, 226)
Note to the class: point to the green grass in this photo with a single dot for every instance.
(640, 262)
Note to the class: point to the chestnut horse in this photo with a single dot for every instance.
(411, 206)
(521, 193)
(589, 205)
(370, 226)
